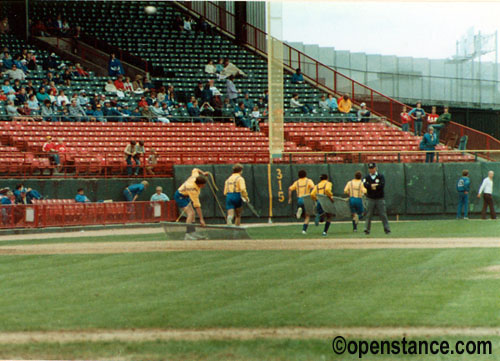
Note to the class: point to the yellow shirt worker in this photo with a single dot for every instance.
(303, 187)
(187, 197)
(356, 190)
(235, 191)
(323, 187)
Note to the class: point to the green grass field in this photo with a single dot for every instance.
(249, 289)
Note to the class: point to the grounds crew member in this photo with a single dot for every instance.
(303, 187)
(374, 184)
(356, 190)
(131, 193)
(463, 188)
(235, 191)
(323, 187)
(187, 198)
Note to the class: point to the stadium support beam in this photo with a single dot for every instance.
(275, 77)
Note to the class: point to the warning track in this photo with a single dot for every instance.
(247, 245)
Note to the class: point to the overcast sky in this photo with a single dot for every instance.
(425, 29)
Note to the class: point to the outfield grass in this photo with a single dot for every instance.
(429, 287)
(255, 350)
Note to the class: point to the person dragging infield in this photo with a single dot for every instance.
(374, 184)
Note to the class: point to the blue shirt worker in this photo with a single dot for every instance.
(303, 186)
(356, 190)
(131, 193)
(374, 184)
(235, 191)
(417, 114)
(463, 188)
(81, 197)
(159, 196)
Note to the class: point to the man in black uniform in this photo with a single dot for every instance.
(374, 184)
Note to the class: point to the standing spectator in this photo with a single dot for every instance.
(197, 90)
(363, 114)
(374, 184)
(206, 94)
(442, 122)
(159, 196)
(429, 142)
(487, 190)
(130, 151)
(463, 188)
(210, 67)
(356, 190)
(345, 104)
(297, 78)
(188, 22)
(405, 120)
(332, 103)
(4, 26)
(115, 66)
(152, 162)
(417, 114)
(132, 192)
(231, 91)
(139, 154)
(294, 103)
(231, 69)
(219, 67)
(432, 118)
(81, 197)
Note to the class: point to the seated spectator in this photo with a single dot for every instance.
(297, 78)
(99, 114)
(148, 84)
(162, 94)
(248, 102)
(442, 121)
(207, 110)
(33, 104)
(80, 70)
(26, 111)
(160, 113)
(89, 112)
(49, 147)
(65, 29)
(345, 104)
(20, 63)
(152, 98)
(194, 110)
(81, 197)
(255, 114)
(405, 120)
(12, 110)
(294, 103)
(148, 114)
(22, 197)
(127, 85)
(332, 103)
(111, 88)
(227, 110)
(4, 26)
(50, 63)
(159, 196)
(152, 161)
(39, 29)
(323, 104)
(218, 105)
(76, 112)
(261, 103)
(242, 118)
(171, 98)
(67, 77)
(231, 70)
(206, 94)
(210, 67)
(6, 87)
(115, 66)
(231, 91)
(31, 61)
(219, 67)
(7, 61)
(363, 114)
(42, 96)
(3, 97)
(119, 83)
(138, 85)
(143, 102)
(21, 97)
(83, 99)
(15, 73)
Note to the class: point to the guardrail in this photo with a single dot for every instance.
(59, 213)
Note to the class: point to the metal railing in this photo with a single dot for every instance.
(66, 212)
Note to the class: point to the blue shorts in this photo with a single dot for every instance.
(300, 202)
(319, 209)
(181, 200)
(356, 205)
(234, 201)
(128, 195)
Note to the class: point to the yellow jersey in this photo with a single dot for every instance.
(236, 184)
(191, 189)
(323, 187)
(355, 188)
(303, 186)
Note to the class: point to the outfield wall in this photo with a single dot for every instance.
(411, 189)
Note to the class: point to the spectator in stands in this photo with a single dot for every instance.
(26, 111)
(218, 105)
(148, 84)
(89, 112)
(12, 110)
(213, 88)
(261, 103)
(160, 113)
(429, 142)
(58, 24)
(294, 103)
(248, 102)
(81, 197)
(83, 99)
(207, 110)
(345, 104)
(76, 112)
(130, 151)
(20, 63)
(21, 97)
(231, 70)
(323, 104)
(22, 197)
(47, 111)
(140, 151)
(210, 67)
(417, 114)
(188, 22)
(138, 85)
(431, 118)
(198, 89)
(7, 60)
(231, 91)
(297, 78)
(80, 70)
(15, 73)
(131, 193)
(31, 61)
(405, 120)
(39, 29)
(206, 94)
(255, 115)
(194, 111)
(49, 147)
(219, 67)
(65, 29)
(119, 83)
(159, 196)
(111, 88)
(50, 63)
(240, 116)
(98, 114)
(33, 104)
(127, 85)
(115, 66)
(147, 114)
(443, 120)
(363, 114)
(4, 26)
(171, 98)
(162, 95)
(203, 26)
(152, 161)
(67, 77)
(3, 97)
(178, 23)
(227, 110)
